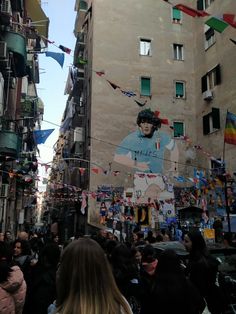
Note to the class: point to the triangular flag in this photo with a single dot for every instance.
(81, 170)
(230, 128)
(217, 24)
(190, 11)
(230, 19)
(113, 85)
(128, 93)
(139, 103)
(100, 73)
(233, 41)
(95, 170)
(164, 121)
(59, 57)
(65, 49)
(41, 136)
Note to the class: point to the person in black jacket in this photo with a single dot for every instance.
(126, 275)
(41, 290)
(202, 269)
(173, 292)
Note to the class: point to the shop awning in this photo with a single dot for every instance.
(35, 12)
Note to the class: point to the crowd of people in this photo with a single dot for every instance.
(98, 274)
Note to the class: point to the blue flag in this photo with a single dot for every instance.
(59, 57)
(40, 136)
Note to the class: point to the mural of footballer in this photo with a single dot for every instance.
(144, 148)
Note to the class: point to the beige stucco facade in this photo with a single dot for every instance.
(114, 30)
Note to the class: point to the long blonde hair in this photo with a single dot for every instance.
(85, 283)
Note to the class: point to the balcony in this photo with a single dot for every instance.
(9, 145)
(16, 43)
(81, 8)
(29, 108)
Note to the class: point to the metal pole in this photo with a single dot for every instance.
(227, 206)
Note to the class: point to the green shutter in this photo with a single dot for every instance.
(179, 89)
(176, 14)
(83, 5)
(145, 86)
(178, 129)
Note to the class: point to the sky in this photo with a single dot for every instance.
(52, 77)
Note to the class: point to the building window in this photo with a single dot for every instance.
(178, 52)
(217, 167)
(176, 15)
(145, 47)
(179, 89)
(211, 121)
(83, 5)
(203, 4)
(178, 129)
(210, 38)
(211, 79)
(145, 86)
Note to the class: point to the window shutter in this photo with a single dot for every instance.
(176, 14)
(206, 125)
(218, 75)
(216, 118)
(209, 33)
(178, 129)
(200, 4)
(145, 86)
(204, 83)
(83, 5)
(179, 89)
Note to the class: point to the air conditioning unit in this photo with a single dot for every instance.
(4, 190)
(207, 95)
(6, 7)
(3, 50)
(79, 134)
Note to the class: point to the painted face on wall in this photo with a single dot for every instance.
(147, 128)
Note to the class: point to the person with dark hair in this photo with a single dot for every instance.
(173, 292)
(22, 257)
(41, 291)
(150, 237)
(12, 283)
(8, 236)
(126, 274)
(202, 269)
(147, 275)
(85, 283)
(144, 148)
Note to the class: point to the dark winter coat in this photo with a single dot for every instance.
(202, 271)
(42, 290)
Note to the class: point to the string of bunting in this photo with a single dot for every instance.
(219, 23)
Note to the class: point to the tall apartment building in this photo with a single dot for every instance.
(135, 55)
(21, 110)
